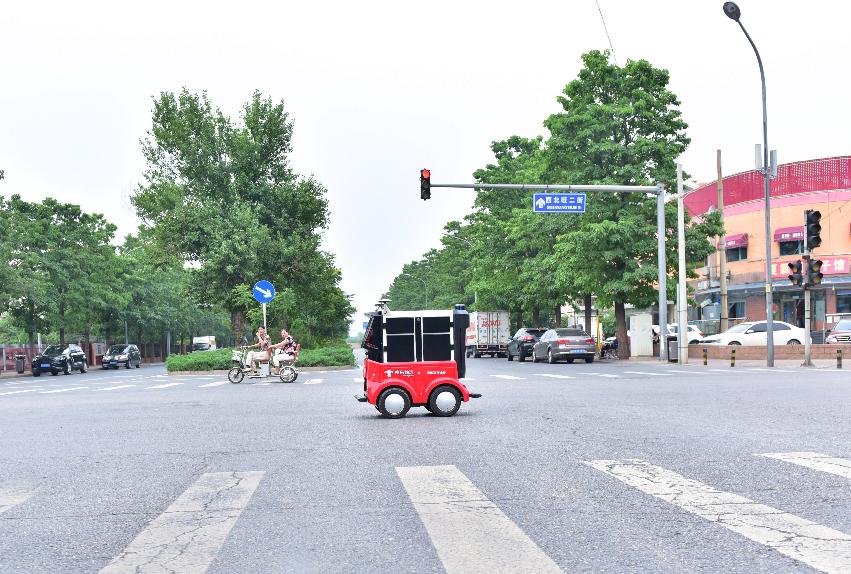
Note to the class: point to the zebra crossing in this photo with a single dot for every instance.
(468, 530)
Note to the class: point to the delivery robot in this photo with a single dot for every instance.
(415, 359)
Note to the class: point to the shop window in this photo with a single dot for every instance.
(737, 254)
(737, 310)
(843, 303)
(791, 247)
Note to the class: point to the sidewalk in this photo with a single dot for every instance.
(718, 363)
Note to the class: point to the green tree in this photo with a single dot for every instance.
(222, 196)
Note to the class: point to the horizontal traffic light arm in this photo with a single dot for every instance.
(655, 189)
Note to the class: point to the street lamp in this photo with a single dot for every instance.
(732, 11)
(425, 287)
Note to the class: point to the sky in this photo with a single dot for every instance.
(378, 90)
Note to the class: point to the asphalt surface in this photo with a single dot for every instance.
(606, 471)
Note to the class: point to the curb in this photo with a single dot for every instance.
(223, 372)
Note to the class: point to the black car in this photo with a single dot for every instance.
(118, 355)
(56, 359)
(522, 343)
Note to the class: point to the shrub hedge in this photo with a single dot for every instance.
(220, 359)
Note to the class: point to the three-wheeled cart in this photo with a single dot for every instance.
(415, 359)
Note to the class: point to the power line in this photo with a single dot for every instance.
(606, 29)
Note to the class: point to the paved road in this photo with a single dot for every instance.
(620, 467)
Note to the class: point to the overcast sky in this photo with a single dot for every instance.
(380, 89)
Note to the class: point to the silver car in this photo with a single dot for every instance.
(567, 344)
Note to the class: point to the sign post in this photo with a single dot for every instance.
(263, 293)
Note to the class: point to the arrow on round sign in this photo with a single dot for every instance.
(265, 292)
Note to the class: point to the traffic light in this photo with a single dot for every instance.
(795, 272)
(814, 273)
(425, 184)
(812, 229)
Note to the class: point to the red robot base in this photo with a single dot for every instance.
(393, 388)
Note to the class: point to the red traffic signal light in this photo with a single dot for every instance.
(425, 184)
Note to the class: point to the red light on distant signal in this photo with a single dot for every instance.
(426, 173)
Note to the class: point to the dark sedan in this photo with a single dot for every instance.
(567, 344)
(56, 359)
(118, 355)
(521, 344)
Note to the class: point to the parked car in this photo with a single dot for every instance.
(57, 359)
(199, 347)
(754, 333)
(695, 335)
(567, 344)
(841, 332)
(117, 355)
(522, 343)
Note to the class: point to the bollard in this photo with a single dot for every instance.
(705, 356)
(838, 358)
(733, 358)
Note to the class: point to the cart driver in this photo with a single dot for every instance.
(288, 350)
(262, 343)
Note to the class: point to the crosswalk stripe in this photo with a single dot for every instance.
(720, 370)
(648, 374)
(606, 375)
(313, 381)
(63, 390)
(114, 388)
(683, 372)
(166, 385)
(816, 461)
(21, 391)
(188, 535)
(468, 531)
(818, 546)
(553, 376)
(216, 384)
(509, 377)
(10, 497)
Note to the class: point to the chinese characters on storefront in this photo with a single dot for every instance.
(830, 266)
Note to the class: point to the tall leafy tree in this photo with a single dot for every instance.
(221, 195)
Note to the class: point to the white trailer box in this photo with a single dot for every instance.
(487, 333)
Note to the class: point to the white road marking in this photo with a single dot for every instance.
(188, 535)
(695, 372)
(553, 376)
(313, 381)
(465, 378)
(606, 375)
(21, 391)
(772, 370)
(63, 390)
(10, 497)
(816, 461)
(818, 546)
(166, 385)
(114, 388)
(509, 377)
(648, 374)
(358, 380)
(720, 370)
(468, 531)
(216, 384)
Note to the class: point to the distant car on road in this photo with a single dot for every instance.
(695, 335)
(753, 333)
(840, 333)
(567, 344)
(117, 355)
(57, 359)
(522, 343)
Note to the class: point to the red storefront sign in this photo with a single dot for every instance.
(831, 266)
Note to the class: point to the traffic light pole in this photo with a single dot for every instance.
(658, 190)
(808, 339)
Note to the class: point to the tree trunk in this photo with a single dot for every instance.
(62, 325)
(588, 303)
(536, 316)
(558, 315)
(519, 319)
(237, 323)
(620, 329)
(31, 331)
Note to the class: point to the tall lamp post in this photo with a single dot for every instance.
(732, 11)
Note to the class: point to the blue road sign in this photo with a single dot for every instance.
(264, 291)
(558, 203)
(365, 325)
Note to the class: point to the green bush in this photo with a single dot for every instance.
(220, 359)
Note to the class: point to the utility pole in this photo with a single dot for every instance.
(722, 253)
(682, 298)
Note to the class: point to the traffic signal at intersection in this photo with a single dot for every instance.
(425, 184)
(812, 229)
(795, 272)
(814, 274)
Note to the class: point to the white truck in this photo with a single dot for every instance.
(487, 334)
(207, 343)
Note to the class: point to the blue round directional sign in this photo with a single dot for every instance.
(264, 291)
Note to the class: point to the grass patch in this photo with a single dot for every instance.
(220, 359)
